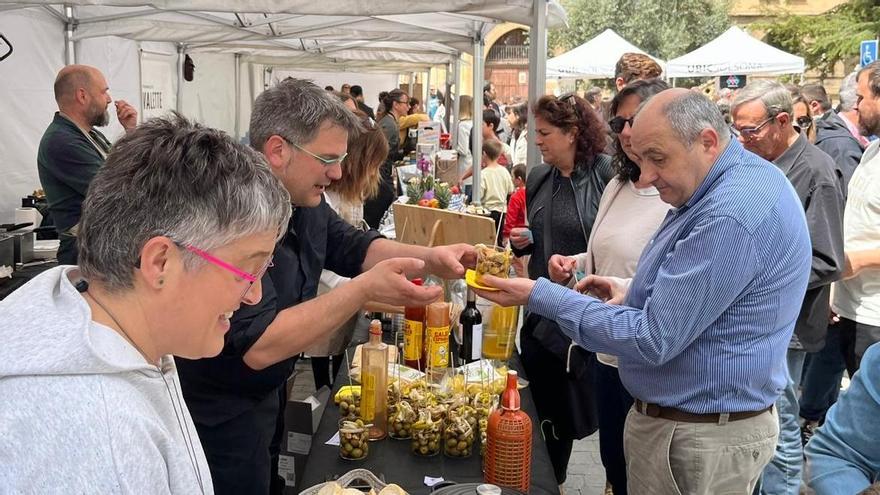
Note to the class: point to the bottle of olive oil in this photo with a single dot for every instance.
(374, 382)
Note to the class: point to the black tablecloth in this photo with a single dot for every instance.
(392, 459)
(23, 276)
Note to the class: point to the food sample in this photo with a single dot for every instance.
(458, 435)
(426, 435)
(492, 261)
(400, 420)
(350, 405)
(353, 439)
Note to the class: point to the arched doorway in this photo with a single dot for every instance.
(507, 66)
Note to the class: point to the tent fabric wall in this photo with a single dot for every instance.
(27, 101)
(210, 97)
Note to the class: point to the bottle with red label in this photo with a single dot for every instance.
(414, 334)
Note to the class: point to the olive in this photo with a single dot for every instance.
(357, 453)
(463, 445)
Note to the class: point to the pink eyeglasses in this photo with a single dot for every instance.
(251, 278)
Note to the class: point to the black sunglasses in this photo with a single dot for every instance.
(618, 123)
(804, 122)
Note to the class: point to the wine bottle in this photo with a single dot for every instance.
(471, 330)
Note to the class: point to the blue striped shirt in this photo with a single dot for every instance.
(709, 313)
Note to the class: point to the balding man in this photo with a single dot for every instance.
(72, 150)
(702, 333)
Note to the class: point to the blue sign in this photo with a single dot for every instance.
(868, 52)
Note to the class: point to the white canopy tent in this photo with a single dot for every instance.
(140, 49)
(734, 52)
(595, 59)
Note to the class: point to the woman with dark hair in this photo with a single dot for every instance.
(562, 197)
(518, 118)
(395, 105)
(360, 180)
(630, 211)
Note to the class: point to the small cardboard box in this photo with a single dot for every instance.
(301, 420)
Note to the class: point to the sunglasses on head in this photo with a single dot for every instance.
(804, 122)
(618, 123)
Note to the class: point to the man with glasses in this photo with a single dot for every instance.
(762, 120)
(237, 398)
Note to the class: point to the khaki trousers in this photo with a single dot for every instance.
(675, 458)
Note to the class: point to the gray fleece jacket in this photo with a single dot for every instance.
(81, 411)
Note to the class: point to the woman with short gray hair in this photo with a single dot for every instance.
(177, 230)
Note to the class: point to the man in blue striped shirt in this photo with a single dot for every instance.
(706, 320)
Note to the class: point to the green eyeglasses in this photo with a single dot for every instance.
(328, 162)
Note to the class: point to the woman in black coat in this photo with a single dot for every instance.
(562, 198)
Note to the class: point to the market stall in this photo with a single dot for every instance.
(734, 52)
(233, 42)
(595, 59)
(392, 459)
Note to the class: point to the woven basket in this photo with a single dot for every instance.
(347, 479)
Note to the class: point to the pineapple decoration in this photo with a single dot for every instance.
(424, 190)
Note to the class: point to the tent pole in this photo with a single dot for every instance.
(237, 112)
(537, 75)
(456, 102)
(69, 27)
(180, 57)
(477, 148)
(141, 82)
(426, 88)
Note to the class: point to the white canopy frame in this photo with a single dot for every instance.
(344, 35)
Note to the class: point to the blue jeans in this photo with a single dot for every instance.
(821, 378)
(783, 475)
(613, 403)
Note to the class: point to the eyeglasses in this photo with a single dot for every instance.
(804, 122)
(618, 123)
(250, 278)
(751, 132)
(326, 161)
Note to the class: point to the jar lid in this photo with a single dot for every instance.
(487, 489)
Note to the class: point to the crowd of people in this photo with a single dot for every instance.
(697, 277)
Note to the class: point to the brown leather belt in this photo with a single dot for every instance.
(672, 414)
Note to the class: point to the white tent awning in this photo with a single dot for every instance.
(595, 59)
(734, 52)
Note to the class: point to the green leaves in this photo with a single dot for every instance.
(826, 39)
(665, 29)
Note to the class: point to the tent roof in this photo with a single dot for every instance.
(399, 33)
(734, 52)
(595, 59)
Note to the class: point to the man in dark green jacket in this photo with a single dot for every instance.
(72, 150)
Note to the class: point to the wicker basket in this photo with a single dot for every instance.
(347, 479)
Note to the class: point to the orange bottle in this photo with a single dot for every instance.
(509, 441)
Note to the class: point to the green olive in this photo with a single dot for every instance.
(357, 453)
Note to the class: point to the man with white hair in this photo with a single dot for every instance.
(72, 150)
(762, 120)
(701, 336)
(847, 108)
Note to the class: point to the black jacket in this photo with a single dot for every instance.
(833, 137)
(589, 183)
(812, 173)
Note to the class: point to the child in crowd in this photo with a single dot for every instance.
(495, 183)
(516, 212)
